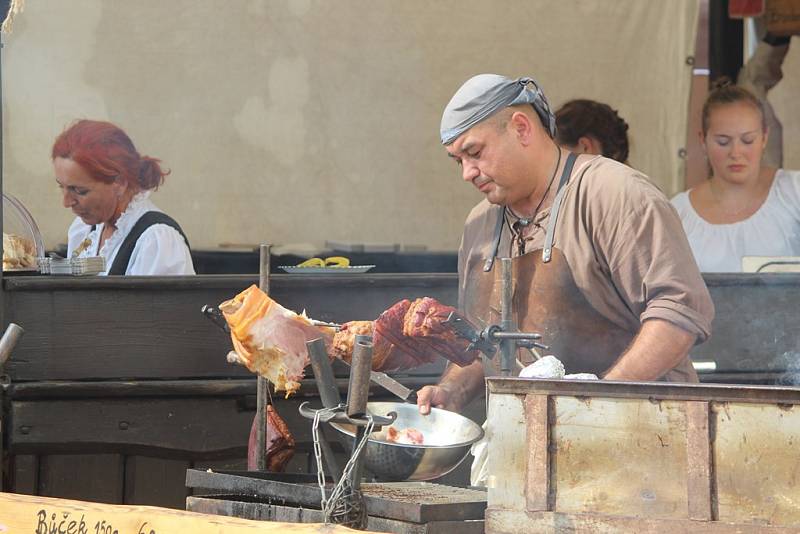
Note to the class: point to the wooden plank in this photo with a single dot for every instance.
(93, 477)
(155, 481)
(25, 470)
(154, 427)
(698, 459)
(21, 513)
(537, 473)
(499, 521)
(165, 335)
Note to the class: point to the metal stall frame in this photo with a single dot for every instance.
(601, 456)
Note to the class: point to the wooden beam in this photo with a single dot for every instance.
(537, 484)
(698, 459)
(40, 515)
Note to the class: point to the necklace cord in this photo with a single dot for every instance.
(521, 222)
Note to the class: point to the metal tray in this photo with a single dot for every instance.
(418, 502)
(351, 269)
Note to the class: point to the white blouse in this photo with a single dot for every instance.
(160, 250)
(773, 230)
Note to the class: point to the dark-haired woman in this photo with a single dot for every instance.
(745, 208)
(107, 184)
(589, 127)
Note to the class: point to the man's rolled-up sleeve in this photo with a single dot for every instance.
(652, 264)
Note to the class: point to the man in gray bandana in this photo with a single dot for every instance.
(602, 266)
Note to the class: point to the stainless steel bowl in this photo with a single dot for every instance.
(447, 436)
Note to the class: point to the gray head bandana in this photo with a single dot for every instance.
(484, 95)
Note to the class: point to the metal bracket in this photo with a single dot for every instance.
(486, 340)
(464, 329)
(339, 415)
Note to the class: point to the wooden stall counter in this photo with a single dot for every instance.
(120, 384)
(43, 515)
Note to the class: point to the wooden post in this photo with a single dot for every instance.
(537, 476)
(698, 459)
(262, 395)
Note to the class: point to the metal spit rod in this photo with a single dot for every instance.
(323, 373)
(262, 394)
(357, 394)
(328, 392)
(508, 346)
(8, 341)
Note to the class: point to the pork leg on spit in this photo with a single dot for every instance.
(269, 339)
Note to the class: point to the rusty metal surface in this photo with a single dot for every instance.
(507, 458)
(499, 521)
(422, 502)
(757, 463)
(265, 512)
(619, 457)
(645, 457)
(418, 502)
(275, 488)
(645, 390)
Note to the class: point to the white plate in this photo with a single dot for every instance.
(352, 269)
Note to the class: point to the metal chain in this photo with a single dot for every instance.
(318, 449)
(336, 505)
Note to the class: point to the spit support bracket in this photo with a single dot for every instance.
(488, 339)
(338, 414)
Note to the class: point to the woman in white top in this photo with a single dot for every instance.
(744, 209)
(107, 184)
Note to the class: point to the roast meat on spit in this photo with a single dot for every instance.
(271, 340)
(405, 336)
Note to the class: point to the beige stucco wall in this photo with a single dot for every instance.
(291, 121)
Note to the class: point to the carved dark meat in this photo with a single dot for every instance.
(425, 322)
(280, 443)
(407, 335)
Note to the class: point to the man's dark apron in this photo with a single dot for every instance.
(547, 300)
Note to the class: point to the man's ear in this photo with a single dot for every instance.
(522, 126)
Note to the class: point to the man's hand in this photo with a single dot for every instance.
(457, 387)
(657, 348)
(436, 396)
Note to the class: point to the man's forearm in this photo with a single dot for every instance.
(463, 383)
(658, 347)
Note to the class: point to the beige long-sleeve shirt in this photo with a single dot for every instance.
(624, 243)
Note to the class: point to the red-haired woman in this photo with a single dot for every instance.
(107, 184)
